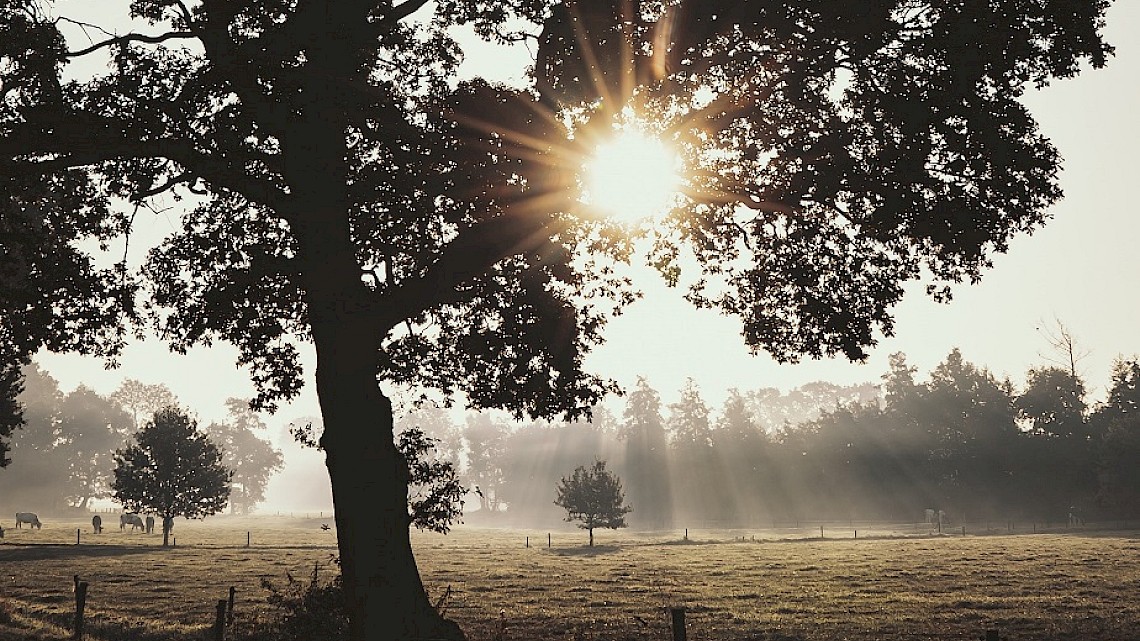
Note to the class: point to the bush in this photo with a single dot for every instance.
(302, 611)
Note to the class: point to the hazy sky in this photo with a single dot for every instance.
(1080, 268)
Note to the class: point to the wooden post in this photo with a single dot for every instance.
(548, 539)
(247, 538)
(678, 623)
(220, 621)
(230, 607)
(963, 530)
(686, 537)
(80, 604)
(856, 533)
(77, 536)
(528, 541)
(821, 531)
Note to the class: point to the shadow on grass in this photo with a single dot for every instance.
(47, 551)
(586, 550)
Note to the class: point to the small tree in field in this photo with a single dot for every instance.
(594, 497)
(172, 469)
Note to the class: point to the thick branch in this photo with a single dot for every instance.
(470, 255)
(401, 11)
(131, 37)
(78, 140)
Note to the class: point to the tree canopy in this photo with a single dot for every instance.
(171, 469)
(250, 458)
(348, 189)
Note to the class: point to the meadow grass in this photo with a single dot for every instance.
(783, 586)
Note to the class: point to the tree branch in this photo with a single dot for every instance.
(131, 37)
(77, 140)
(401, 11)
(470, 255)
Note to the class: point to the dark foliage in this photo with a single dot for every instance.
(303, 610)
(593, 497)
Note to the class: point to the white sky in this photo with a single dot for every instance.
(1080, 268)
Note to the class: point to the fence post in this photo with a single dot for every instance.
(528, 541)
(230, 607)
(821, 531)
(77, 536)
(678, 623)
(247, 538)
(220, 621)
(80, 604)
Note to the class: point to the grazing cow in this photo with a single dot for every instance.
(28, 517)
(133, 520)
(149, 524)
(97, 524)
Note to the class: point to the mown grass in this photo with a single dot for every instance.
(1076, 585)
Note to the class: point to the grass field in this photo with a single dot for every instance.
(786, 586)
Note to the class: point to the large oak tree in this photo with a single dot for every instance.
(421, 231)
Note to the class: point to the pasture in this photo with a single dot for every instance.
(786, 586)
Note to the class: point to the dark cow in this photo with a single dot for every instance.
(149, 524)
(28, 517)
(97, 524)
(133, 520)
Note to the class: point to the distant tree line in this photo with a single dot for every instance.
(63, 456)
(962, 441)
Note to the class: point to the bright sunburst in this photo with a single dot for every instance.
(632, 177)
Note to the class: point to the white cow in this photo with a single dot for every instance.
(28, 517)
(133, 520)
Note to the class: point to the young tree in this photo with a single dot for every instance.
(349, 191)
(172, 469)
(593, 497)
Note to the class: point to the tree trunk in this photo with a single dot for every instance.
(591, 537)
(385, 596)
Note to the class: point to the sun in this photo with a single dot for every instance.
(633, 177)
